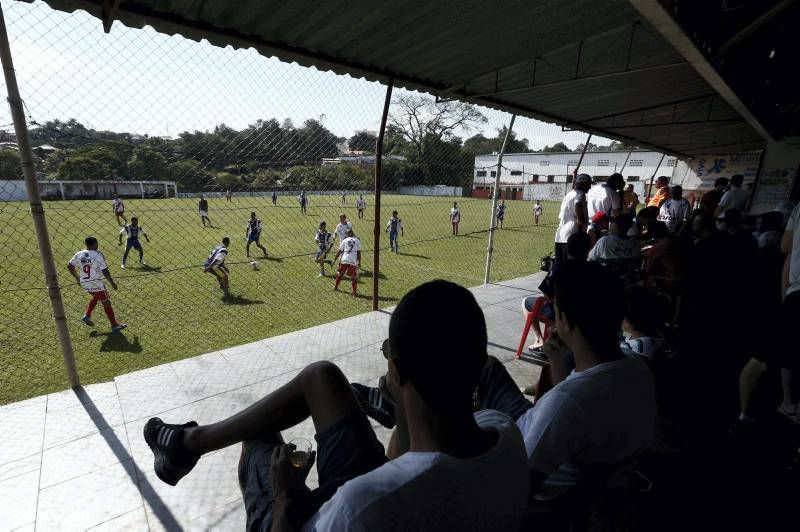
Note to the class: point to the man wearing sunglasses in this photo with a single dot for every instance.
(463, 471)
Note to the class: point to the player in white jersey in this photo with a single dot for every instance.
(455, 217)
(342, 229)
(537, 211)
(350, 252)
(324, 241)
(89, 269)
(133, 231)
(119, 209)
(215, 265)
(361, 205)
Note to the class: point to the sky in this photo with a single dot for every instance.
(140, 81)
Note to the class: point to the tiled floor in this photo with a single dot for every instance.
(76, 460)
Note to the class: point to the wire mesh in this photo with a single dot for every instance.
(161, 120)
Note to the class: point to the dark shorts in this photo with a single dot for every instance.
(253, 238)
(776, 345)
(547, 310)
(498, 391)
(135, 244)
(393, 235)
(345, 450)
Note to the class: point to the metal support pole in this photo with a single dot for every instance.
(626, 161)
(141, 188)
(37, 210)
(376, 252)
(650, 188)
(489, 248)
(583, 152)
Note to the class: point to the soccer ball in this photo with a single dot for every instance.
(254, 265)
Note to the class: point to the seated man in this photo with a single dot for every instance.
(645, 317)
(462, 471)
(618, 251)
(578, 246)
(603, 413)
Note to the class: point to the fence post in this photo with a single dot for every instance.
(489, 247)
(37, 210)
(376, 252)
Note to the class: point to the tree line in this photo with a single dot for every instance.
(270, 154)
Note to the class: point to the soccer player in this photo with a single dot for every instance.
(202, 208)
(89, 268)
(119, 209)
(350, 251)
(343, 227)
(392, 227)
(215, 264)
(303, 202)
(344, 197)
(274, 198)
(254, 228)
(228, 195)
(133, 231)
(501, 213)
(455, 217)
(537, 211)
(361, 205)
(324, 242)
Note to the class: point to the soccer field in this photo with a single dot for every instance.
(174, 310)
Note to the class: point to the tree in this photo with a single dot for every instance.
(592, 147)
(191, 175)
(617, 145)
(362, 141)
(83, 168)
(557, 147)
(148, 164)
(419, 118)
(480, 145)
(10, 169)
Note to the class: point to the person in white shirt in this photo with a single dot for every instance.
(449, 470)
(573, 216)
(350, 252)
(617, 245)
(605, 197)
(645, 314)
(118, 206)
(342, 228)
(537, 212)
(788, 360)
(735, 197)
(675, 210)
(89, 269)
(455, 217)
(361, 205)
(395, 227)
(215, 265)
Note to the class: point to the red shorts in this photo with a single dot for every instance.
(348, 269)
(100, 295)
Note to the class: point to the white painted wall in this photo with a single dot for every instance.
(778, 174)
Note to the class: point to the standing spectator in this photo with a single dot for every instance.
(735, 198)
(675, 210)
(573, 217)
(455, 217)
(605, 197)
(662, 192)
(790, 314)
(630, 199)
(710, 199)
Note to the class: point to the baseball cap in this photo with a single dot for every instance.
(583, 178)
(599, 217)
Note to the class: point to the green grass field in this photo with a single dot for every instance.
(175, 311)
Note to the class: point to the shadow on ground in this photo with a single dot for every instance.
(118, 342)
(240, 300)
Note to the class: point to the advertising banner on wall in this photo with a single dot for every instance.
(703, 171)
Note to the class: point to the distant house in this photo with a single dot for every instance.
(363, 160)
(44, 150)
(9, 146)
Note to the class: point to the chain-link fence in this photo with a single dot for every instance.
(194, 138)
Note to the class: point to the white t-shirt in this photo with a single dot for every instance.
(217, 256)
(455, 215)
(794, 260)
(436, 491)
(612, 247)
(342, 229)
(650, 347)
(90, 265)
(567, 221)
(350, 247)
(602, 198)
(118, 205)
(599, 416)
(735, 198)
(673, 212)
(361, 204)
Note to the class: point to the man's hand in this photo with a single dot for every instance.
(287, 479)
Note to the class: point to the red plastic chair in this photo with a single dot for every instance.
(535, 314)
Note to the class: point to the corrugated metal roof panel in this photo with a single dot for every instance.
(600, 55)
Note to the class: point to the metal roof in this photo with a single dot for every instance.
(585, 65)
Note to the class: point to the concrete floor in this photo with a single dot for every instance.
(76, 460)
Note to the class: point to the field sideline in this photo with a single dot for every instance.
(174, 310)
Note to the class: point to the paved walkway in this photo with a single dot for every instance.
(76, 460)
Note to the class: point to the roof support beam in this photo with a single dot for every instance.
(692, 123)
(647, 108)
(662, 21)
(110, 8)
(751, 28)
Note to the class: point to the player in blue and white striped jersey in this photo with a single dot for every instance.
(133, 230)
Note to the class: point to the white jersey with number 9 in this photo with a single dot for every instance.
(90, 265)
(350, 247)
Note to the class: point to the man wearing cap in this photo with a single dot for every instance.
(598, 228)
(605, 197)
(662, 192)
(573, 216)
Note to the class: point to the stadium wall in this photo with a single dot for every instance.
(13, 191)
(436, 190)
